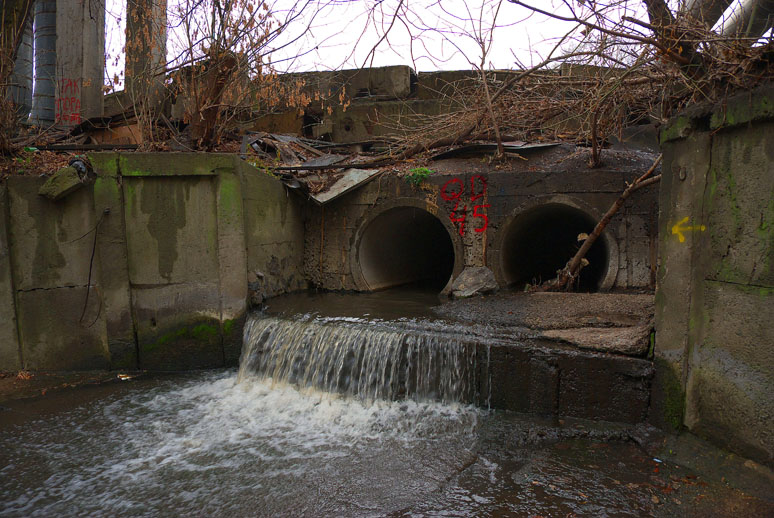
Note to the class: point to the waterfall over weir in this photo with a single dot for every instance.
(366, 360)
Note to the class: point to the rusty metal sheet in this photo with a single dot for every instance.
(324, 160)
(351, 179)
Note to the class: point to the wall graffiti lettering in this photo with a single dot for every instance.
(454, 189)
(67, 105)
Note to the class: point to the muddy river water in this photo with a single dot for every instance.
(244, 443)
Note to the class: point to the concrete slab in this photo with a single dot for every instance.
(178, 326)
(51, 243)
(274, 233)
(113, 267)
(631, 341)
(232, 261)
(611, 322)
(57, 334)
(171, 230)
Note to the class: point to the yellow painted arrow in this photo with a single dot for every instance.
(679, 229)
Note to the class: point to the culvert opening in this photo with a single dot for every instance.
(406, 245)
(541, 241)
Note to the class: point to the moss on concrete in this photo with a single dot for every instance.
(104, 164)
(756, 105)
(61, 183)
(228, 326)
(677, 128)
(195, 345)
(173, 164)
(744, 108)
(229, 195)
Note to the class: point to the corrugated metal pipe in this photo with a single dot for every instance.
(21, 79)
(44, 40)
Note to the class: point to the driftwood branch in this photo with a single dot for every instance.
(569, 273)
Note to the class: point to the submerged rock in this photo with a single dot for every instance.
(472, 281)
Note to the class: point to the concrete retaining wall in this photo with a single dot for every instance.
(153, 265)
(715, 296)
(148, 268)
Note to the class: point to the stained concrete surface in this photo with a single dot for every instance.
(146, 268)
(479, 205)
(715, 296)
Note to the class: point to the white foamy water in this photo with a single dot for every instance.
(207, 445)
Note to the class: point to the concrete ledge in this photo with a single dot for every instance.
(174, 164)
(755, 105)
(539, 379)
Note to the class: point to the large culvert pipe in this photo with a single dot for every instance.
(405, 245)
(44, 38)
(21, 78)
(541, 240)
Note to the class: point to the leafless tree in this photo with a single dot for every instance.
(13, 17)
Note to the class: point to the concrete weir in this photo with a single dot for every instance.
(509, 366)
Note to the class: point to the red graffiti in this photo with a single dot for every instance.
(482, 181)
(454, 195)
(481, 215)
(453, 190)
(67, 107)
(68, 85)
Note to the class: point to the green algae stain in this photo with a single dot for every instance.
(204, 332)
(229, 198)
(743, 111)
(679, 127)
(228, 326)
(104, 163)
(713, 182)
(201, 332)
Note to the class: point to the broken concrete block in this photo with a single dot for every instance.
(65, 181)
(472, 281)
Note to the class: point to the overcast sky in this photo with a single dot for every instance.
(432, 34)
(436, 37)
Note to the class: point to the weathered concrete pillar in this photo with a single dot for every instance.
(80, 60)
(146, 48)
(43, 94)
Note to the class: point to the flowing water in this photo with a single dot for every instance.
(367, 361)
(209, 445)
(327, 416)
